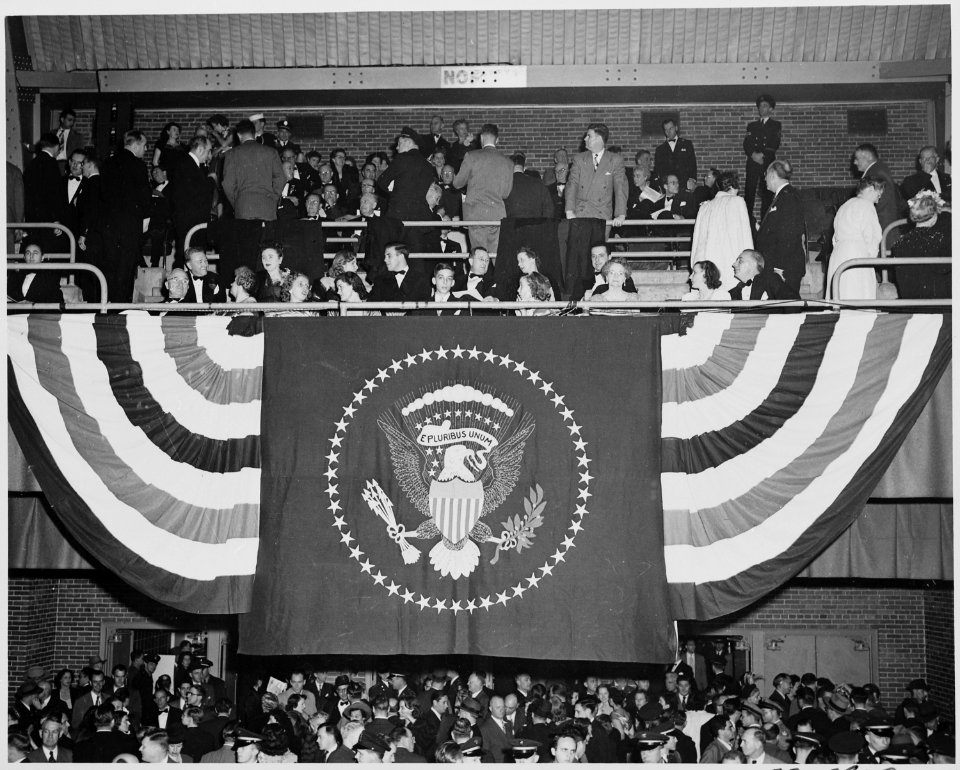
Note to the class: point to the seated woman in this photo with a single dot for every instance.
(344, 261)
(535, 287)
(705, 283)
(294, 290)
(529, 262)
(271, 278)
(930, 238)
(615, 272)
(242, 288)
(351, 289)
(35, 286)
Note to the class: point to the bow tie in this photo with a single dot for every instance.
(475, 275)
(597, 272)
(75, 178)
(670, 198)
(344, 703)
(748, 283)
(397, 272)
(163, 711)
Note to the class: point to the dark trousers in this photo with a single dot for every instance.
(121, 256)
(585, 233)
(755, 177)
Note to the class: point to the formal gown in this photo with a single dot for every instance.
(721, 232)
(856, 235)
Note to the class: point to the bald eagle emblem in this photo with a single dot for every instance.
(457, 453)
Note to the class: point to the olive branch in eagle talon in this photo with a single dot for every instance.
(518, 533)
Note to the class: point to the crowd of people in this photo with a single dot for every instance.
(694, 710)
(262, 185)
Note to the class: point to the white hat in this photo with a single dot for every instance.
(257, 116)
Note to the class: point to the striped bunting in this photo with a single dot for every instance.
(775, 429)
(144, 433)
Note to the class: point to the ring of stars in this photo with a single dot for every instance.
(423, 601)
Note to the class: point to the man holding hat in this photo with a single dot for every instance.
(267, 139)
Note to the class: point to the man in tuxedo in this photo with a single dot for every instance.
(929, 177)
(71, 188)
(890, 207)
(487, 178)
(346, 178)
(126, 196)
(43, 191)
(410, 176)
(252, 177)
(400, 282)
(676, 203)
(106, 742)
(435, 725)
(781, 238)
(448, 245)
(676, 156)
(761, 282)
(474, 274)
(190, 193)
(49, 749)
(451, 201)
(434, 140)
(760, 145)
(595, 284)
(596, 191)
(159, 712)
(292, 197)
(205, 286)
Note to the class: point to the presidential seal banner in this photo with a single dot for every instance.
(484, 486)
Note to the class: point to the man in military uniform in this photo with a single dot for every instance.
(760, 146)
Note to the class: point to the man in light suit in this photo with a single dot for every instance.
(252, 177)
(890, 207)
(596, 191)
(781, 235)
(488, 178)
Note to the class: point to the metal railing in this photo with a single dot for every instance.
(70, 256)
(460, 225)
(63, 267)
(876, 262)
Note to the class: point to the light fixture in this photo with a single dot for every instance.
(116, 638)
(741, 645)
(774, 644)
(860, 646)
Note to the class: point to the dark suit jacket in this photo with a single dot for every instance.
(681, 161)
(213, 289)
(414, 287)
(890, 207)
(190, 193)
(125, 191)
(599, 193)
(429, 144)
(253, 179)
(763, 137)
(767, 285)
(286, 208)
(556, 198)
(430, 730)
(528, 198)
(43, 185)
(151, 715)
(341, 755)
(348, 185)
(683, 204)
(450, 247)
(197, 742)
(451, 201)
(457, 152)
(40, 755)
(104, 746)
(88, 204)
(922, 181)
(495, 740)
(781, 237)
(411, 175)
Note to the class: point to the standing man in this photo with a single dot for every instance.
(596, 191)
(488, 178)
(760, 146)
(890, 207)
(190, 193)
(252, 177)
(70, 139)
(929, 177)
(407, 180)
(782, 231)
(434, 140)
(265, 138)
(126, 197)
(43, 190)
(284, 140)
(676, 156)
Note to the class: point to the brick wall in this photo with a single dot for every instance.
(815, 136)
(898, 615)
(55, 622)
(938, 623)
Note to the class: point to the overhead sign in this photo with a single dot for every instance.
(483, 77)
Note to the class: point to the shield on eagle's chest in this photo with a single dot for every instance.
(455, 507)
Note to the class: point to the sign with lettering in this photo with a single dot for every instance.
(483, 77)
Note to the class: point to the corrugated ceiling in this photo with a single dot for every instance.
(648, 36)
